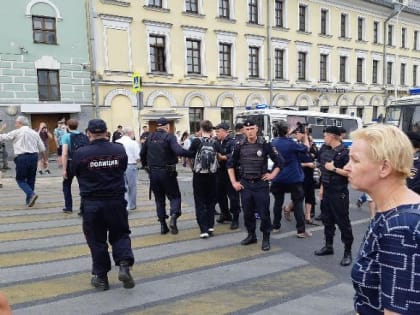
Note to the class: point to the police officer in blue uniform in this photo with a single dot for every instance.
(99, 167)
(252, 154)
(227, 197)
(335, 194)
(159, 155)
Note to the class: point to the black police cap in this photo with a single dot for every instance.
(162, 122)
(249, 123)
(333, 130)
(97, 126)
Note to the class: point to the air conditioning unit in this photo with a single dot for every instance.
(403, 2)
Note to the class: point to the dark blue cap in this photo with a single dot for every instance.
(249, 123)
(333, 130)
(222, 125)
(162, 122)
(97, 126)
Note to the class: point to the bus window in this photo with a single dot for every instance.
(316, 121)
(349, 124)
(293, 120)
(334, 122)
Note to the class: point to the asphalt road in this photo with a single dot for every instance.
(45, 262)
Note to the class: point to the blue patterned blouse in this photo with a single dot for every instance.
(386, 273)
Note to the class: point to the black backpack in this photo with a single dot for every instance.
(206, 158)
(77, 140)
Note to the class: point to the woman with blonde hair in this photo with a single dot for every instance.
(385, 274)
(45, 135)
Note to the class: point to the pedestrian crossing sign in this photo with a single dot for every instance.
(137, 83)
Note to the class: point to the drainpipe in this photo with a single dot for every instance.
(269, 70)
(93, 55)
(397, 10)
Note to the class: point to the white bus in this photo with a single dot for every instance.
(405, 112)
(265, 117)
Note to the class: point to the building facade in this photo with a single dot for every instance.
(210, 59)
(44, 63)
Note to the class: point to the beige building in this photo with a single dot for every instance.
(209, 59)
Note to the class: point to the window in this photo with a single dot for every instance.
(278, 13)
(389, 72)
(44, 30)
(403, 37)
(402, 73)
(253, 11)
(302, 18)
(375, 112)
(343, 62)
(224, 9)
(343, 25)
(48, 85)
(155, 3)
(324, 109)
(191, 6)
(359, 112)
(301, 66)
(323, 67)
(343, 110)
(195, 116)
(375, 71)
(359, 74)
(324, 17)
(226, 115)
(415, 75)
(375, 32)
(193, 56)
(390, 30)
(253, 58)
(279, 64)
(225, 59)
(416, 39)
(157, 53)
(360, 30)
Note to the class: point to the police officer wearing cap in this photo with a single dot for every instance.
(413, 181)
(100, 168)
(227, 197)
(335, 194)
(252, 154)
(159, 155)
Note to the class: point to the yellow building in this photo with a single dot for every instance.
(208, 59)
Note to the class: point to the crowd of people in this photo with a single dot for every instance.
(231, 170)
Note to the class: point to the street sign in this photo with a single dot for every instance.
(137, 84)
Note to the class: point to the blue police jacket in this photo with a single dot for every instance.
(99, 167)
(290, 150)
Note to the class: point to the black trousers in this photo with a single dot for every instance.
(255, 198)
(107, 220)
(227, 196)
(205, 198)
(165, 185)
(278, 190)
(335, 211)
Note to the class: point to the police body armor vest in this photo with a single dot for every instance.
(253, 162)
(157, 150)
(331, 178)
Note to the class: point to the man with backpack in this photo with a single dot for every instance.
(205, 150)
(71, 141)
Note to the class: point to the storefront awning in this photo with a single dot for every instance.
(50, 108)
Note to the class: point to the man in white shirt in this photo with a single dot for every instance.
(26, 145)
(132, 149)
